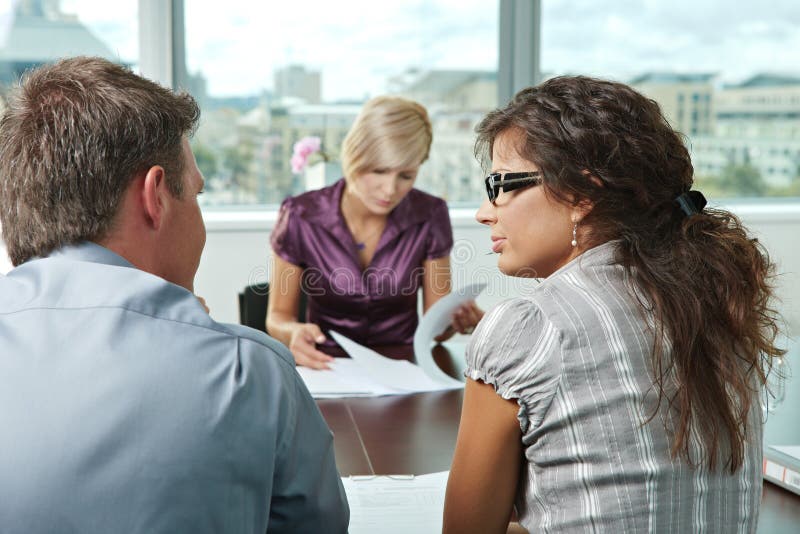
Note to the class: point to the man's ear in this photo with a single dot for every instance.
(154, 191)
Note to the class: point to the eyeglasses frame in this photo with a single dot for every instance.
(510, 181)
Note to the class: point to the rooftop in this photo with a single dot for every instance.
(673, 77)
(43, 40)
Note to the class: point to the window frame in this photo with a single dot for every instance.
(162, 57)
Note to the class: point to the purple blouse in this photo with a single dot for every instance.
(376, 305)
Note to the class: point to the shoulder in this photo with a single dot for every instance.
(302, 216)
(498, 326)
(253, 342)
(145, 310)
(313, 202)
(513, 335)
(592, 286)
(430, 215)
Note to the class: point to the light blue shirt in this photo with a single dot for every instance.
(125, 408)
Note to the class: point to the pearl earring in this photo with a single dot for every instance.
(575, 235)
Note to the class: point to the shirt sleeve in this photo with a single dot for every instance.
(517, 350)
(440, 235)
(285, 236)
(308, 495)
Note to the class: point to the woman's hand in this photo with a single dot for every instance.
(465, 319)
(303, 342)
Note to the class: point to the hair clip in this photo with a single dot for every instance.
(691, 202)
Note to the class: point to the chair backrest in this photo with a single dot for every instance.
(253, 306)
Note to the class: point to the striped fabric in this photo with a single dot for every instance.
(576, 356)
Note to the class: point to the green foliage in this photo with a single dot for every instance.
(744, 180)
(237, 160)
(206, 160)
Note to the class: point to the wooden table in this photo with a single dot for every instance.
(417, 434)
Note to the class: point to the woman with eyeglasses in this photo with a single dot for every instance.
(623, 394)
(362, 248)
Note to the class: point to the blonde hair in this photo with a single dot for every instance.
(390, 133)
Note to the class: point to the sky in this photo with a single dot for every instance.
(359, 44)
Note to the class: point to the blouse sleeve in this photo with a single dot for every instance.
(517, 350)
(440, 235)
(285, 236)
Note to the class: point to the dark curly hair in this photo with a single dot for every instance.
(73, 137)
(703, 282)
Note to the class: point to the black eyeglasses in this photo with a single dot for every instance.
(510, 181)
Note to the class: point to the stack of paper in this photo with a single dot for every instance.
(396, 504)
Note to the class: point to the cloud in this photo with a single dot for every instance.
(623, 38)
(358, 44)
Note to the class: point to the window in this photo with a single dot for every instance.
(725, 59)
(36, 32)
(268, 74)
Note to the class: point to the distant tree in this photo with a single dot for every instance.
(742, 180)
(790, 190)
(206, 160)
(237, 160)
(709, 185)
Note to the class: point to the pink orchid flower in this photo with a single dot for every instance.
(302, 150)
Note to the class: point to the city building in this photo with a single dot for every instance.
(298, 82)
(757, 125)
(463, 90)
(685, 99)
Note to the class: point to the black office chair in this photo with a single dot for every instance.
(253, 306)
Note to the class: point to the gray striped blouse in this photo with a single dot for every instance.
(575, 354)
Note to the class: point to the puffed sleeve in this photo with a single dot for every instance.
(440, 232)
(285, 236)
(517, 350)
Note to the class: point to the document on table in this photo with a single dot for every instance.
(396, 504)
(355, 378)
(343, 379)
(369, 374)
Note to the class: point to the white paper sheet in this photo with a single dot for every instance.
(396, 376)
(396, 504)
(434, 322)
(343, 379)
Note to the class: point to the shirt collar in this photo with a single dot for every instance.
(602, 254)
(90, 252)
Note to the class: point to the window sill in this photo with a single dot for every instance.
(253, 220)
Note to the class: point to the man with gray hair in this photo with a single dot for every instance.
(123, 406)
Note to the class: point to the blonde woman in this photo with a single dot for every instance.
(363, 247)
